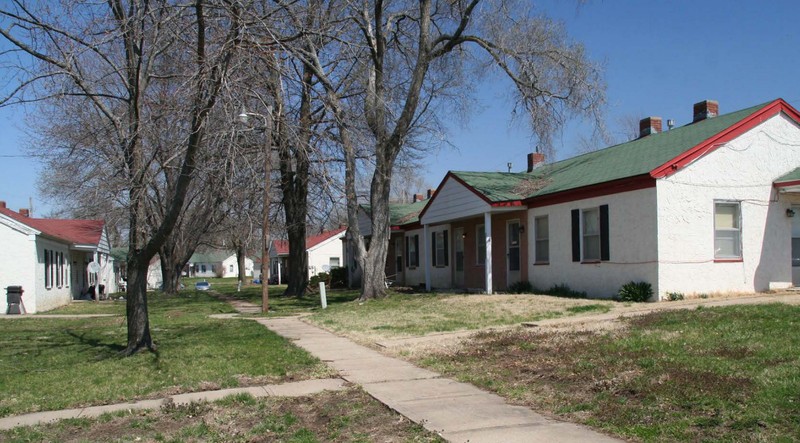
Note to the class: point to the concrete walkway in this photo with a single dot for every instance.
(459, 412)
(294, 389)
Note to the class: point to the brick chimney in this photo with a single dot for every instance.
(649, 125)
(24, 212)
(418, 198)
(431, 192)
(2, 204)
(705, 109)
(535, 159)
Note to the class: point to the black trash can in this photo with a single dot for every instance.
(14, 300)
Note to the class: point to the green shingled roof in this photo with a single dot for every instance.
(625, 160)
(402, 213)
(791, 176)
(210, 256)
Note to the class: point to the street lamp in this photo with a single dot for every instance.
(244, 117)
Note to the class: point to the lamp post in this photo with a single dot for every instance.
(243, 117)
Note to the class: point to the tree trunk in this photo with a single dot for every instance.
(297, 280)
(373, 280)
(136, 309)
(240, 255)
(170, 276)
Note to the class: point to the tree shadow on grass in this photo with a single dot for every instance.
(106, 350)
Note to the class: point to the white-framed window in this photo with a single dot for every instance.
(591, 242)
(333, 262)
(203, 268)
(439, 249)
(412, 251)
(541, 232)
(590, 219)
(230, 268)
(727, 230)
(48, 269)
(480, 244)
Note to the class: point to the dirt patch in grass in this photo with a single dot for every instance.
(404, 315)
(343, 416)
(702, 375)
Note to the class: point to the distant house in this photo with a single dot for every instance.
(207, 264)
(710, 206)
(324, 251)
(53, 260)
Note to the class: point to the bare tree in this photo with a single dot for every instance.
(405, 55)
(105, 58)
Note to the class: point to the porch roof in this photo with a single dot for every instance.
(789, 182)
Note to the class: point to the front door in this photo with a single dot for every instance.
(458, 252)
(512, 252)
(796, 246)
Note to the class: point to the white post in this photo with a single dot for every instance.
(279, 271)
(487, 225)
(322, 297)
(427, 253)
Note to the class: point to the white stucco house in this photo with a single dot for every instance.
(711, 206)
(324, 251)
(55, 261)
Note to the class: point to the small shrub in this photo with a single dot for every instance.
(321, 277)
(521, 287)
(339, 277)
(563, 290)
(674, 296)
(704, 296)
(635, 291)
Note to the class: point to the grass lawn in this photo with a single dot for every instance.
(60, 363)
(343, 416)
(709, 374)
(278, 303)
(403, 315)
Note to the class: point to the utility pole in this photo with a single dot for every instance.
(267, 192)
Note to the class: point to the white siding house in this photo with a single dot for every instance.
(325, 251)
(53, 260)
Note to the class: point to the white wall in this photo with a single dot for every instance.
(742, 170)
(230, 267)
(321, 254)
(17, 264)
(45, 298)
(154, 277)
(632, 245)
(453, 201)
(415, 276)
(441, 276)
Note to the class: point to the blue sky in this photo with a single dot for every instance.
(659, 58)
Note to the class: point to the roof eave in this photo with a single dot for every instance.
(717, 140)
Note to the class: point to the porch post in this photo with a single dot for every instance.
(487, 224)
(425, 238)
(279, 272)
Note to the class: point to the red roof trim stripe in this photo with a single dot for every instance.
(507, 204)
(613, 187)
(733, 131)
(786, 183)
